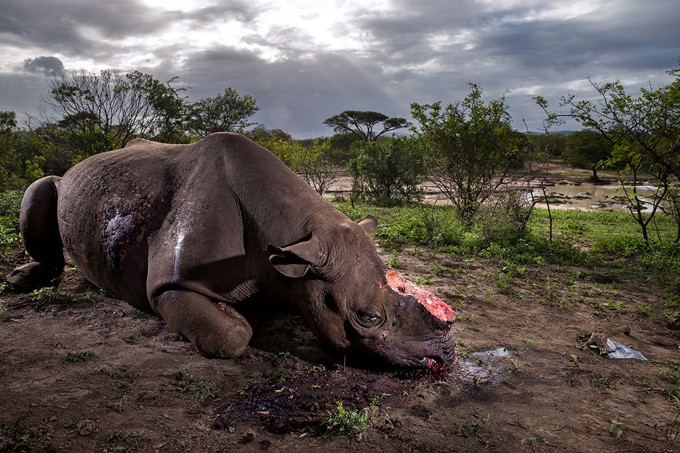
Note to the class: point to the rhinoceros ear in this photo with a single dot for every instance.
(295, 260)
(368, 223)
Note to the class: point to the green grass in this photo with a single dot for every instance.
(349, 420)
(611, 241)
(199, 387)
(78, 355)
(21, 438)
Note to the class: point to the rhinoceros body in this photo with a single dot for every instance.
(194, 232)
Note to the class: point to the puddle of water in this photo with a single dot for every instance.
(592, 196)
(483, 368)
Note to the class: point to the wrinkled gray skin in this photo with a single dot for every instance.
(194, 232)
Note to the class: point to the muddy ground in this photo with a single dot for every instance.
(83, 372)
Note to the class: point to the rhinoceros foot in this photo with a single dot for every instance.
(33, 276)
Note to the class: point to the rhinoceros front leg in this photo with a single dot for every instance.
(215, 331)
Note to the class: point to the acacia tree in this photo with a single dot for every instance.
(644, 132)
(362, 124)
(470, 149)
(226, 112)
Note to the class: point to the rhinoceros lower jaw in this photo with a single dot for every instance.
(432, 303)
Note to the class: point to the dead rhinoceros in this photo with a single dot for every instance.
(196, 231)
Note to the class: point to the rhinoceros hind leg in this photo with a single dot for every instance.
(40, 235)
(215, 331)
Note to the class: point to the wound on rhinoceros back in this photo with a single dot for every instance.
(432, 303)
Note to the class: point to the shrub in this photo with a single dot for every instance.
(388, 172)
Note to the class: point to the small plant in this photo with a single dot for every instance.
(3, 310)
(278, 375)
(120, 405)
(528, 342)
(616, 429)
(468, 428)
(178, 337)
(603, 381)
(199, 387)
(531, 441)
(18, 434)
(423, 281)
(317, 368)
(416, 251)
(117, 373)
(5, 287)
(575, 360)
(46, 294)
(78, 355)
(470, 319)
(393, 262)
(672, 375)
(349, 420)
(288, 355)
(514, 366)
(376, 399)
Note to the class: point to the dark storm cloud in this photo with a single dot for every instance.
(92, 28)
(413, 51)
(20, 92)
(50, 66)
(295, 95)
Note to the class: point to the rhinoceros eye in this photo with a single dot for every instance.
(368, 319)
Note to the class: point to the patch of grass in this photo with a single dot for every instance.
(672, 375)
(111, 371)
(19, 438)
(78, 355)
(120, 405)
(317, 368)
(48, 294)
(393, 262)
(514, 366)
(470, 427)
(279, 375)
(531, 441)
(199, 386)
(287, 355)
(349, 420)
(528, 343)
(603, 381)
(423, 281)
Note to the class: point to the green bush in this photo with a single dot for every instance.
(388, 172)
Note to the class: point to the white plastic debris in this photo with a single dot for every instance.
(620, 351)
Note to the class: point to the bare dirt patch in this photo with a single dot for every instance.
(84, 372)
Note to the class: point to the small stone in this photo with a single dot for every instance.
(85, 427)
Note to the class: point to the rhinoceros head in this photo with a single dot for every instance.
(359, 307)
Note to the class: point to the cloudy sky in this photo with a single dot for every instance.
(306, 60)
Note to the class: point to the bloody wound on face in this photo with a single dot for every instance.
(431, 302)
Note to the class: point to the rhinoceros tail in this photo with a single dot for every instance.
(40, 235)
